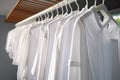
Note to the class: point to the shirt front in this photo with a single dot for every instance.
(99, 43)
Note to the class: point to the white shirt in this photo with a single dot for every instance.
(100, 46)
(9, 43)
(34, 39)
(56, 66)
(65, 48)
(52, 29)
(13, 43)
(23, 52)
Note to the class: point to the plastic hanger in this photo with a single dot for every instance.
(57, 10)
(86, 6)
(61, 6)
(63, 3)
(41, 18)
(103, 2)
(52, 14)
(45, 17)
(69, 6)
(102, 14)
(81, 12)
(77, 5)
(62, 9)
(95, 3)
(66, 6)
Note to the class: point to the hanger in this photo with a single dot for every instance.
(62, 9)
(56, 10)
(86, 6)
(102, 14)
(38, 19)
(77, 5)
(45, 16)
(83, 9)
(69, 6)
(95, 3)
(61, 6)
(103, 2)
(66, 6)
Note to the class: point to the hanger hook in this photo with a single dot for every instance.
(86, 6)
(69, 5)
(103, 2)
(66, 6)
(62, 8)
(77, 4)
(52, 12)
(95, 3)
(45, 16)
(41, 18)
(57, 9)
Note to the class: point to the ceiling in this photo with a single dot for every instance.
(6, 6)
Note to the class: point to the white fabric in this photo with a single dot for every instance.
(23, 53)
(75, 46)
(52, 28)
(54, 53)
(40, 75)
(64, 46)
(34, 39)
(100, 47)
(9, 43)
(39, 51)
(13, 43)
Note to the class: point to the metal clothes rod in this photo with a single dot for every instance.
(33, 18)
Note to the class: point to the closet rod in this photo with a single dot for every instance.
(33, 18)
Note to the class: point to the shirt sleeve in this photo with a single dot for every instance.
(114, 30)
(115, 35)
(9, 43)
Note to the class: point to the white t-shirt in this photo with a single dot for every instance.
(9, 44)
(46, 51)
(56, 66)
(13, 43)
(101, 41)
(65, 44)
(51, 31)
(41, 67)
(17, 46)
(34, 39)
(23, 50)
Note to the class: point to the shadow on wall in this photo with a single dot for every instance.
(7, 70)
